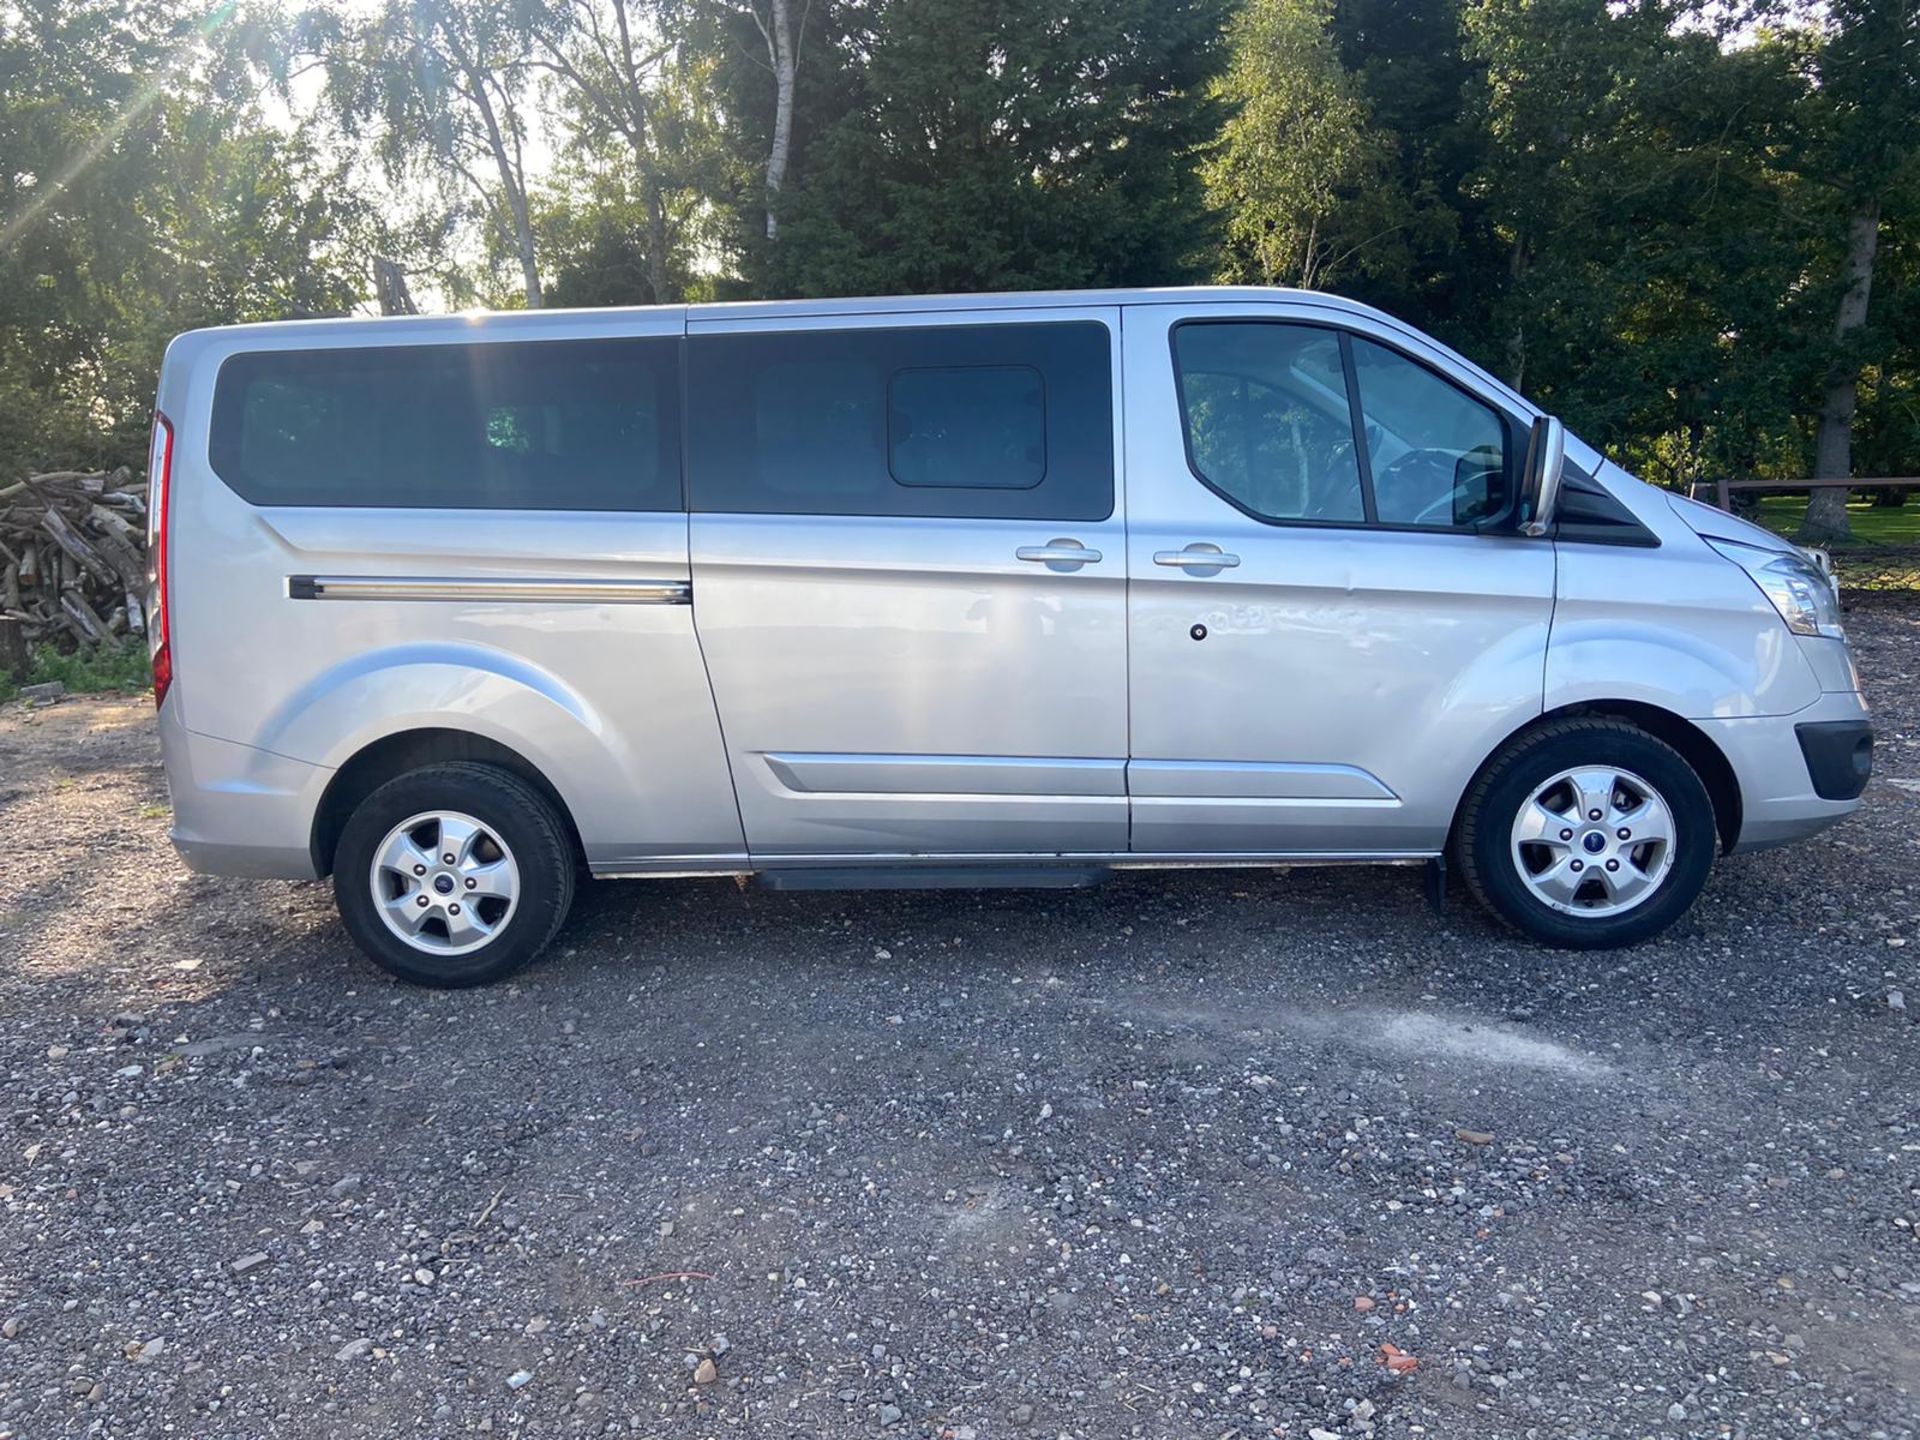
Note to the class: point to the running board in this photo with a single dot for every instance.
(932, 877)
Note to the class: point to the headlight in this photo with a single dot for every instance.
(1803, 594)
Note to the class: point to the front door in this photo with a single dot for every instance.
(909, 579)
(1329, 631)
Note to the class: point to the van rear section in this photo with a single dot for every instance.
(380, 550)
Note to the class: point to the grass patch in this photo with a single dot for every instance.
(1872, 524)
(111, 667)
(1884, 553)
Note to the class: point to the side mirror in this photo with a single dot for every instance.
(1540, 489)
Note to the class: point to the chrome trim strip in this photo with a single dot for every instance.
(614, 870)
(1118, 859)
(1229, 782)
(736, 866)
(669, 867)
(535, 590)
(1013, 777)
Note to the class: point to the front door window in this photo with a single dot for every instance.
(1301, 424)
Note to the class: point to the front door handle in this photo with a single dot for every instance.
(1062, 555)
(1199, 558)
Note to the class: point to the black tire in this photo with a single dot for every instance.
(1483, 843)
(526, 825)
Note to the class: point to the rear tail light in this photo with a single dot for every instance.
(159, 619)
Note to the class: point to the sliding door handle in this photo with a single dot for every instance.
(1199, 558)
(1059, 555)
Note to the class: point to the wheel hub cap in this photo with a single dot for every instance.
(444, 883)
(1594, 841)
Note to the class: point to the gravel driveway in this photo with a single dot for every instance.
(1221, 1155)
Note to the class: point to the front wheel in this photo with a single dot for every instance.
(1587, 834)
(453, 875)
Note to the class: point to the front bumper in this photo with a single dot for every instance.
(1839, 756)
(1782, 798)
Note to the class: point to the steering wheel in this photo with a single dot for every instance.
(1418, 472)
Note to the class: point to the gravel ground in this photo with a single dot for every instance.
(1218, 1155)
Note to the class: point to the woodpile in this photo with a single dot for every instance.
(73, 563)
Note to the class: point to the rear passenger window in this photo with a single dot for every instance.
(1012, 420)
(531, 425)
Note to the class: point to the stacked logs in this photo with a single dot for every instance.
(73, 565)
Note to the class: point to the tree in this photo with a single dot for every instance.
(142, 195)
(1442, 266)
(1630, 178)
(1299, 175)
(1867, 115)
(644, 135)
(783, 33)
(994, 144)
(442, 86)
(601, 227)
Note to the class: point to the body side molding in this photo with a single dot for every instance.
(513, 589)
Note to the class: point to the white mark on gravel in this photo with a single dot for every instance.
(1434, 1036)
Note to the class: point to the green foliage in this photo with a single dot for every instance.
(141, 196)
(1304, 184)
(997, 144)
(1647, 213)
(1646, 261)
(437, 89)
(631, 210)
(1633, 210)
(111, 667)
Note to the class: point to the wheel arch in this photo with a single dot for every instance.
(1694, 745)
(394, 755)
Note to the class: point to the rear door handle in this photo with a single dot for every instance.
(1059, 555)
(1199, 558)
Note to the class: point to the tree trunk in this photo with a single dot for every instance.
(1517, 334)
(783, 50)
(657, 246)
(390, 285)
(1827, 518)
(523, 241)
(511, 180)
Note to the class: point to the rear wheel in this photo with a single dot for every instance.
(453, 875)
(1587, 834)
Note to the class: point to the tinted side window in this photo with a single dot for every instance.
(962, 427)
(1267, 420)
(535, 425)
(1438, 455)
(1011, 420)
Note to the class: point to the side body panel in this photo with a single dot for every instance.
(1677, 625)
(1349, 681)
(906, 685)
(601, 688)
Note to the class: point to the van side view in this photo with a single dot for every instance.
(975, 590)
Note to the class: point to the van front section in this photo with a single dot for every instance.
(381, 546)
(1671, 604)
